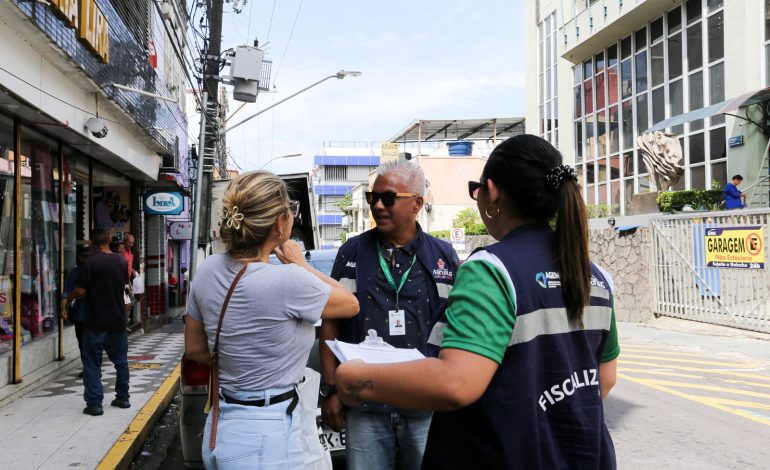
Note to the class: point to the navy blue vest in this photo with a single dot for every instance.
(543, 407)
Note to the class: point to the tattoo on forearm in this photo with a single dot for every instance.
(355, 390)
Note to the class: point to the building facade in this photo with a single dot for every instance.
(608, 71)
(79, 147)
(341, 167)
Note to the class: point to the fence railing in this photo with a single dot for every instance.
(683, 285)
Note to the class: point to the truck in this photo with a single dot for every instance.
(300, 187)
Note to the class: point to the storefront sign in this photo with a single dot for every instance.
(163, 203)
(735, 247)
(180, 230)
(93, 28)
(111, 210)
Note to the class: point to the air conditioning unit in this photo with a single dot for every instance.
(170, 161)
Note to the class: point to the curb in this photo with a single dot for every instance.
(130, 442)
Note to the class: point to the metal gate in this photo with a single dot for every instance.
(685, 287)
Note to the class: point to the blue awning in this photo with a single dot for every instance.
(727, 106)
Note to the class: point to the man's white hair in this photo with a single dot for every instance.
(408, 172)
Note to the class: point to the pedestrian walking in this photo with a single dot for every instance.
(102, 280)
(254, 323)
(76, 311)
(402, 277)
(530, 347)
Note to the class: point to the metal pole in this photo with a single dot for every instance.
(279, 102)
(198, 186)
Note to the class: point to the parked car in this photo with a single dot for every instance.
(194, 386)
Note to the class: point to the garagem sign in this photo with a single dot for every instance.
(163, 203)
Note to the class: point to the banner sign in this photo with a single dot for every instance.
(163, 203)
(735, 247)
(180, 230)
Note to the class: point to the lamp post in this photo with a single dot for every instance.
(290, 155)
(339, 75)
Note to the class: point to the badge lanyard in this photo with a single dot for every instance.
(389, 275)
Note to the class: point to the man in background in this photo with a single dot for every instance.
(734, 198)
(102, 281)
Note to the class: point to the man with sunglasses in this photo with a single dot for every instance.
(402, 277)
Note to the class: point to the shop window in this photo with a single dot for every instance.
(111, 194)
(39, 235)
(7, 218)
(75, 205)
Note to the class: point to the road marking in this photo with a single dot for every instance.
(121, 453)
(626, 349)
(659, 372)
(696, 369)
(708, 401)
(710, 388)
(737, 365)
(744, 382)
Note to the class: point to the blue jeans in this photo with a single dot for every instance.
(371, 440)
(115, 343)
(255, 437)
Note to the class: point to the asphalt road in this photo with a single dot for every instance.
(684, 400)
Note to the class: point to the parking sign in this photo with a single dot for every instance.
(457, 237)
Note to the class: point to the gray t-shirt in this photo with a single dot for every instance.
(268, 329)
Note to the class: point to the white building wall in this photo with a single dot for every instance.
(25, 52)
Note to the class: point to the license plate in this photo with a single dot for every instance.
(332, 439)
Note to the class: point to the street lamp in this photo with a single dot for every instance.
(340, 75)
(290, 155)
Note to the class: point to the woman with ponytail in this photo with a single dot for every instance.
(529, 349)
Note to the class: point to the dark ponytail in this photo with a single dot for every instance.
(570, 250)
(529, 169)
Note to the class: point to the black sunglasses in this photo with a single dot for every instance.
(473, 189)
(388, 198)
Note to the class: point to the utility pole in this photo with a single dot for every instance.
(209, 140)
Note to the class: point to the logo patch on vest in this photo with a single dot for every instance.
(548, 279)
(441, 272)
(350, 264)
(598, 283)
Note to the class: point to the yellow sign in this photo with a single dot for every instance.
(67, 9)
(388, 151)
(94, 29)
(735, 247)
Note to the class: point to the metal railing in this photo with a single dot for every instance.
(684, 287)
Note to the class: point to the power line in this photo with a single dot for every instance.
(270, 25)
(291, 35)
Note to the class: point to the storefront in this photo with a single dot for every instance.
(76, 153)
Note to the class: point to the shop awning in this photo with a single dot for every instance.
(727, 106)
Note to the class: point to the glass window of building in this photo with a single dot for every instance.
(7, 224)
(673, 65)
(75, 204)
(547, 79)
(111, 203)
(39, 235)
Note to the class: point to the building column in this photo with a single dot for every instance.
(156, 277)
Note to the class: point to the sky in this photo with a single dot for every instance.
(425, 59)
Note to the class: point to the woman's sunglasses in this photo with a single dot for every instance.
(388, 198)
(294, 207)
(473, 189)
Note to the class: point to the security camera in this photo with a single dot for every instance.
(97, 127)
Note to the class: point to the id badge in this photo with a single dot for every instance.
(397, 322)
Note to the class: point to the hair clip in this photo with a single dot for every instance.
(232, 218)
(556, 176)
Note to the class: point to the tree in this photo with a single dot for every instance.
(346, 201)
(467, 217)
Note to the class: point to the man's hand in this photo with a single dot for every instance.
(63, 311)
(333, 413)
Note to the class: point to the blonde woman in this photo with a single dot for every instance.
(267, 330)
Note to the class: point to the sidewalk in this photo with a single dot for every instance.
(47, 429)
